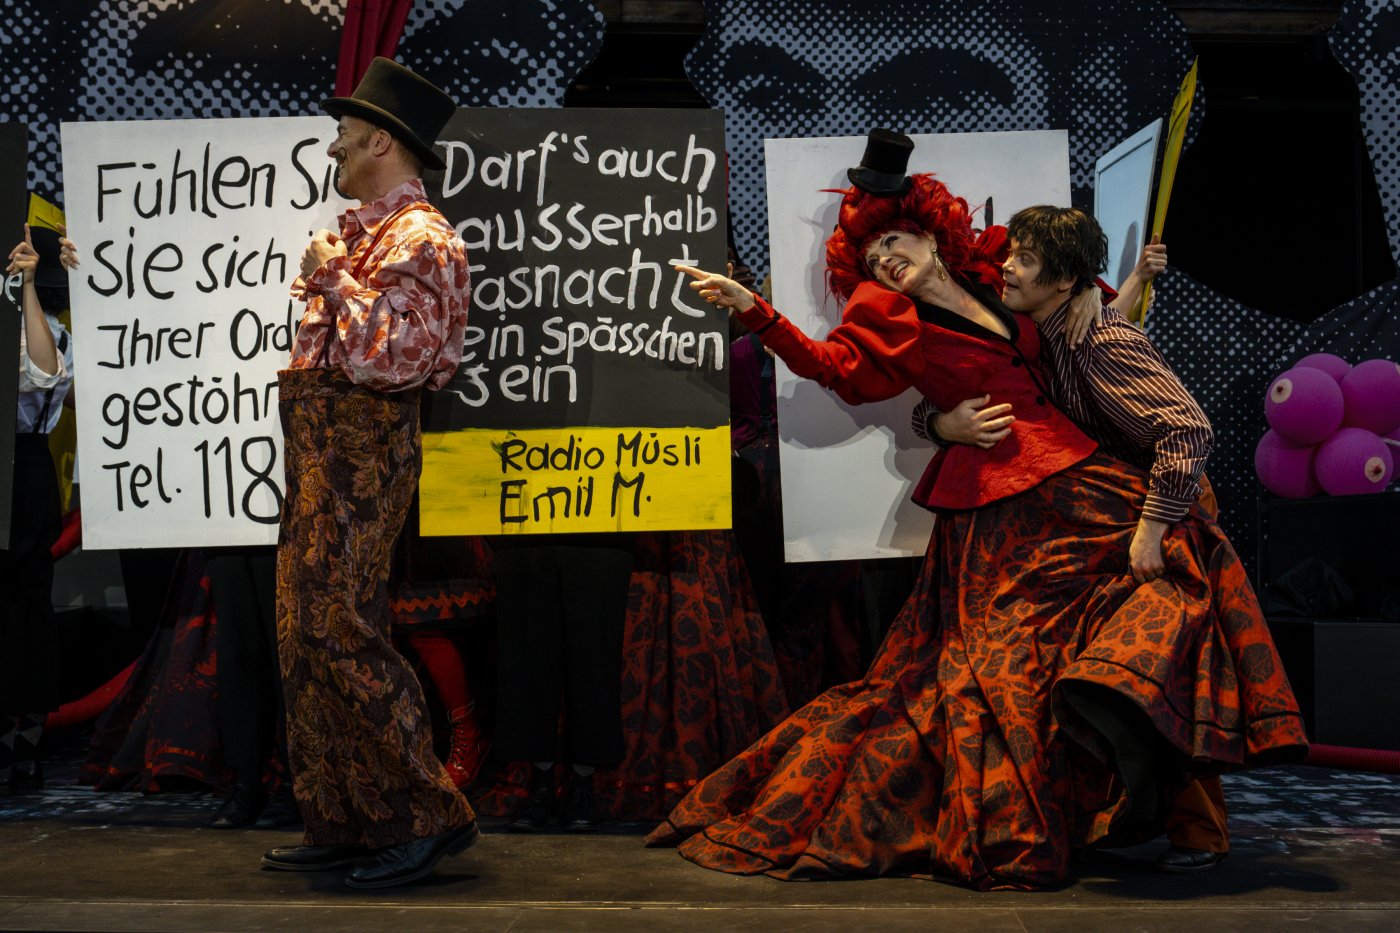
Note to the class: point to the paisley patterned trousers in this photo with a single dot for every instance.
(358, 735)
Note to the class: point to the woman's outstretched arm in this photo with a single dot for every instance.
(873, 354)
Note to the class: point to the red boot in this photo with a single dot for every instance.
(469, 747)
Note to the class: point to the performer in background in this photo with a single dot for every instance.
(386, 312)
(29, 645)
(1119, 389)
(252, 713)
(561, 604)
(1032, 696)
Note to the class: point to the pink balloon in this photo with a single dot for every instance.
(1304, 406)
(1354, 461)
(1372, 394)
(1285, 469)
(1332, 365)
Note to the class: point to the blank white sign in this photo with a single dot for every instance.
(1122, 194)
(848, 470)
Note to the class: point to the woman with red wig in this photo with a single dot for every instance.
(1031, 697)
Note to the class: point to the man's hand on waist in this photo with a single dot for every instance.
(324, 246)
(974, 422)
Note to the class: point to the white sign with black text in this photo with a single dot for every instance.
(191, 233)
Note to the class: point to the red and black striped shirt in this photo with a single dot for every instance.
(1120, 390)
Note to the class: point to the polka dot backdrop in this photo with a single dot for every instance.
(780, 68)
(70, 60)
(794, 68)
(502, 53)
(1366, 40)
(1226, 354)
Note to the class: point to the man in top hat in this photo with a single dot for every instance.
(386, 312)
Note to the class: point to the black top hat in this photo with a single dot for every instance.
(882, 168)
(395, 99)
(49, 273)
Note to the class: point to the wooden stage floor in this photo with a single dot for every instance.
(1313, 850)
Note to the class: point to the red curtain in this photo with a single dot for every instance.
(372, 27)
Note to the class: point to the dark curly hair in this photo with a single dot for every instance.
(926, 208)
(1070, 243)
(53, 299)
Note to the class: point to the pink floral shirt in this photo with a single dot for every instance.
(401, 322)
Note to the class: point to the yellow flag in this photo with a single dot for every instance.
(1176, 133)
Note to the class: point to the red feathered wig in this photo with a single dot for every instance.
(927, 207)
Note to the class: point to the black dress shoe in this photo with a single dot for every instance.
(243, 805)
(535, 814)
(409, 861)
(315, 858)
(581, 811)
(1179, 860)
(281, 810)
(26, 777)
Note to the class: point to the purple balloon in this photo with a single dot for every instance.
(1285, 469)
(1372, 394)
(1332, 365)
(1304, 406)
(1354, 461)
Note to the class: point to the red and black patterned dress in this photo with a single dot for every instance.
(1031, 697)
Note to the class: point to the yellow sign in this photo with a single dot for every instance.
(1176, 134)
(497, 481)
(43, 214)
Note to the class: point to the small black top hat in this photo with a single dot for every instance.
(882, 168)
(395, 99)
(49, 273)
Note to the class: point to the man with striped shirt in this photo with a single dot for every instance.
(1120, 391)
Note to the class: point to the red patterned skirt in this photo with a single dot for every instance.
(960, 755)
(163, 727)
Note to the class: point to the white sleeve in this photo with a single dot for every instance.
(32, 379)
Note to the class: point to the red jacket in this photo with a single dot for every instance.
(882, 348)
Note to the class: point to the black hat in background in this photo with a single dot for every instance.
(393, 98)
(883, 167)
(50, 272)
